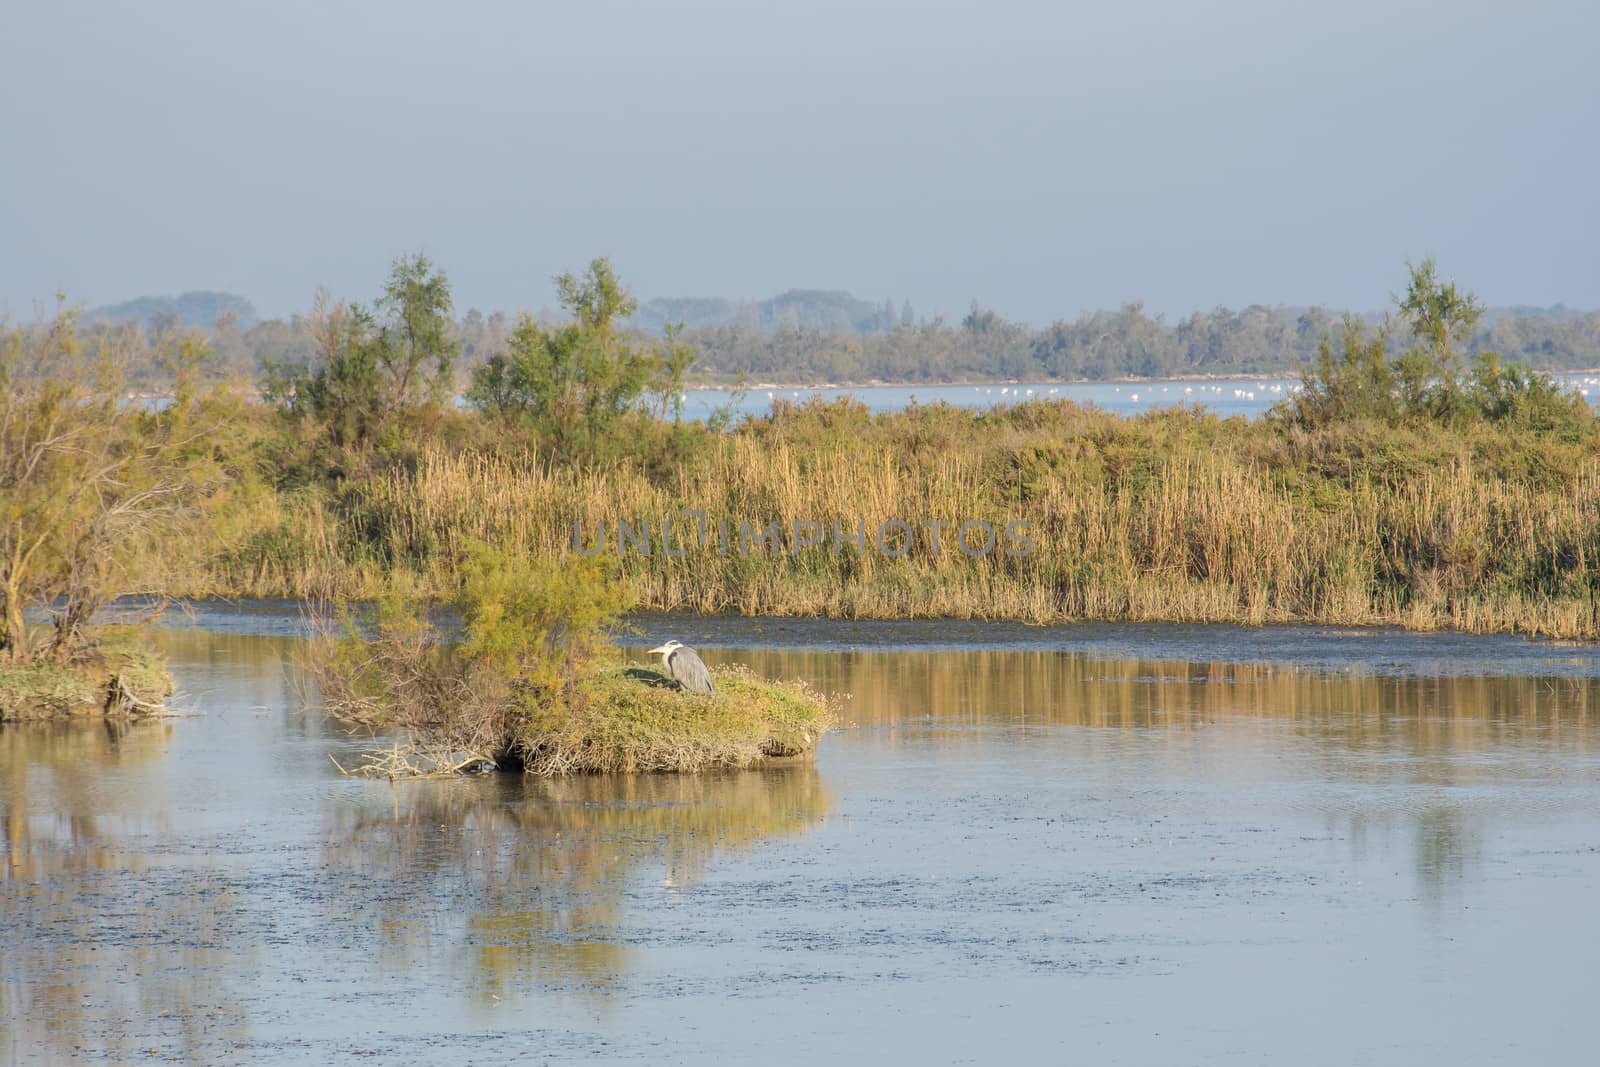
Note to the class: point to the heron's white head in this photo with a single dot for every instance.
(667, 649)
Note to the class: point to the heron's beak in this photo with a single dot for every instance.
(657, 651)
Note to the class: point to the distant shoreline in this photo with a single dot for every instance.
(1006, 382)
(1031, 383)
(1275, 376)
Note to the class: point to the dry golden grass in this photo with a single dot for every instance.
(631, 719)
(1177, 516)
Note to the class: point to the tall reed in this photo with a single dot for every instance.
(1172, 516)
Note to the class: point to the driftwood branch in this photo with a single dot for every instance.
(121, 700)
(412, 759)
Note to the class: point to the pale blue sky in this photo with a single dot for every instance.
(1043, 158)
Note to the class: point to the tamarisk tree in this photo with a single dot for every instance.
(92, 480)
(376, 371)
(574, 383)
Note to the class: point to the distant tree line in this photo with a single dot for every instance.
(1104, 344)
(814, 336)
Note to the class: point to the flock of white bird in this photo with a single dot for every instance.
(1263, 390)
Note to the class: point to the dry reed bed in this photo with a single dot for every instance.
(1189, 529)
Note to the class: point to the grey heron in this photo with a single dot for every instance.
(686, 668)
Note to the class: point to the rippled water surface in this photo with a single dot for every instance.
(1108, 844)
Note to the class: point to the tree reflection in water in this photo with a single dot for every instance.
(213, 883)
(84, 901)
(1373, 731)
(527, 875)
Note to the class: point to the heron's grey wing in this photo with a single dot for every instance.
(690, 671)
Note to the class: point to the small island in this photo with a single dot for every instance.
(518, 672)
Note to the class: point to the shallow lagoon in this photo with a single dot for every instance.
(1117, 844)
(1249, 397)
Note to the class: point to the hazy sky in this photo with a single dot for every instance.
(1043, 158)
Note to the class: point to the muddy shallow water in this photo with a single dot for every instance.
(1109, 844)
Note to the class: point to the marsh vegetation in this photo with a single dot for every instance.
(1405, 483)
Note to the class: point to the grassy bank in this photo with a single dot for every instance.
(1176, 515)
(119, 679)
(631, 719)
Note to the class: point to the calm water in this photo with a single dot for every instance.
(1242, 396)
(1111, 844)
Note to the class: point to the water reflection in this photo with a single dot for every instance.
(537, 870)
(97, 928)
(52, 816)
(137, 919)
(211, 885)
(1404, 758)
(1353, 713)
